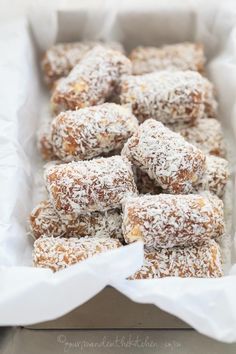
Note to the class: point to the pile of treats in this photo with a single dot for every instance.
(138, 154)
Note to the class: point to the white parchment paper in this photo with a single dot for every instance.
(29, 295)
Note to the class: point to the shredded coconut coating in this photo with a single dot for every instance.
(214, 180)
(165, 156)
(167, 220)
(91, 131)
(169, 96)
(216, 176)
(44, 141)
(86, 186)
(61, 58)
(206, 134)
(59, 253)
(181, 56)
(92, 81)
(44, 221)
(199, 261)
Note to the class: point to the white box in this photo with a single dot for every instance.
(35, 295)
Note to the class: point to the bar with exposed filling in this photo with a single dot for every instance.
(166, 157)
(199, 261)
(92, 81)
(169, 97)
(58, 253)
(61, 58)
(167, 220)
(180, 56)
(206, 134)
(92, 131)
(45, 221)
(86, 186)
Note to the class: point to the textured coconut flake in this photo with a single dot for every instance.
(92, 81)
(92, 131)
(167, 220)
(214, 180)
(166, 157)
(44, 141)
(45, 221)
(86, 186)
(59, 253)
(181, 56)
(206, 134)
(216, 176)
(58, 60)
(169, 97)
(199, 261)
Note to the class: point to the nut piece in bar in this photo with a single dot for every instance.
(167, 220)
(169, 96)
(86, 186)
(206, 134)
(165, 156)
(61, 58)
(58, 253)
(198, 261)
(91, 131)
(181, 56)
(92, 81)
(44, 221)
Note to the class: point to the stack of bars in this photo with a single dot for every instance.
(138, 154)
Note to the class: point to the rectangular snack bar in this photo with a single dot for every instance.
(44, 221)
(92, 81)
(86, 186)
(206, 134)
(180, 56)
(169, 97)
(214, 179)
(91, 131)
(198, 261)
(165, 156)
(216, 176)
(59, 253)
(61, 58)
(167, 220)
